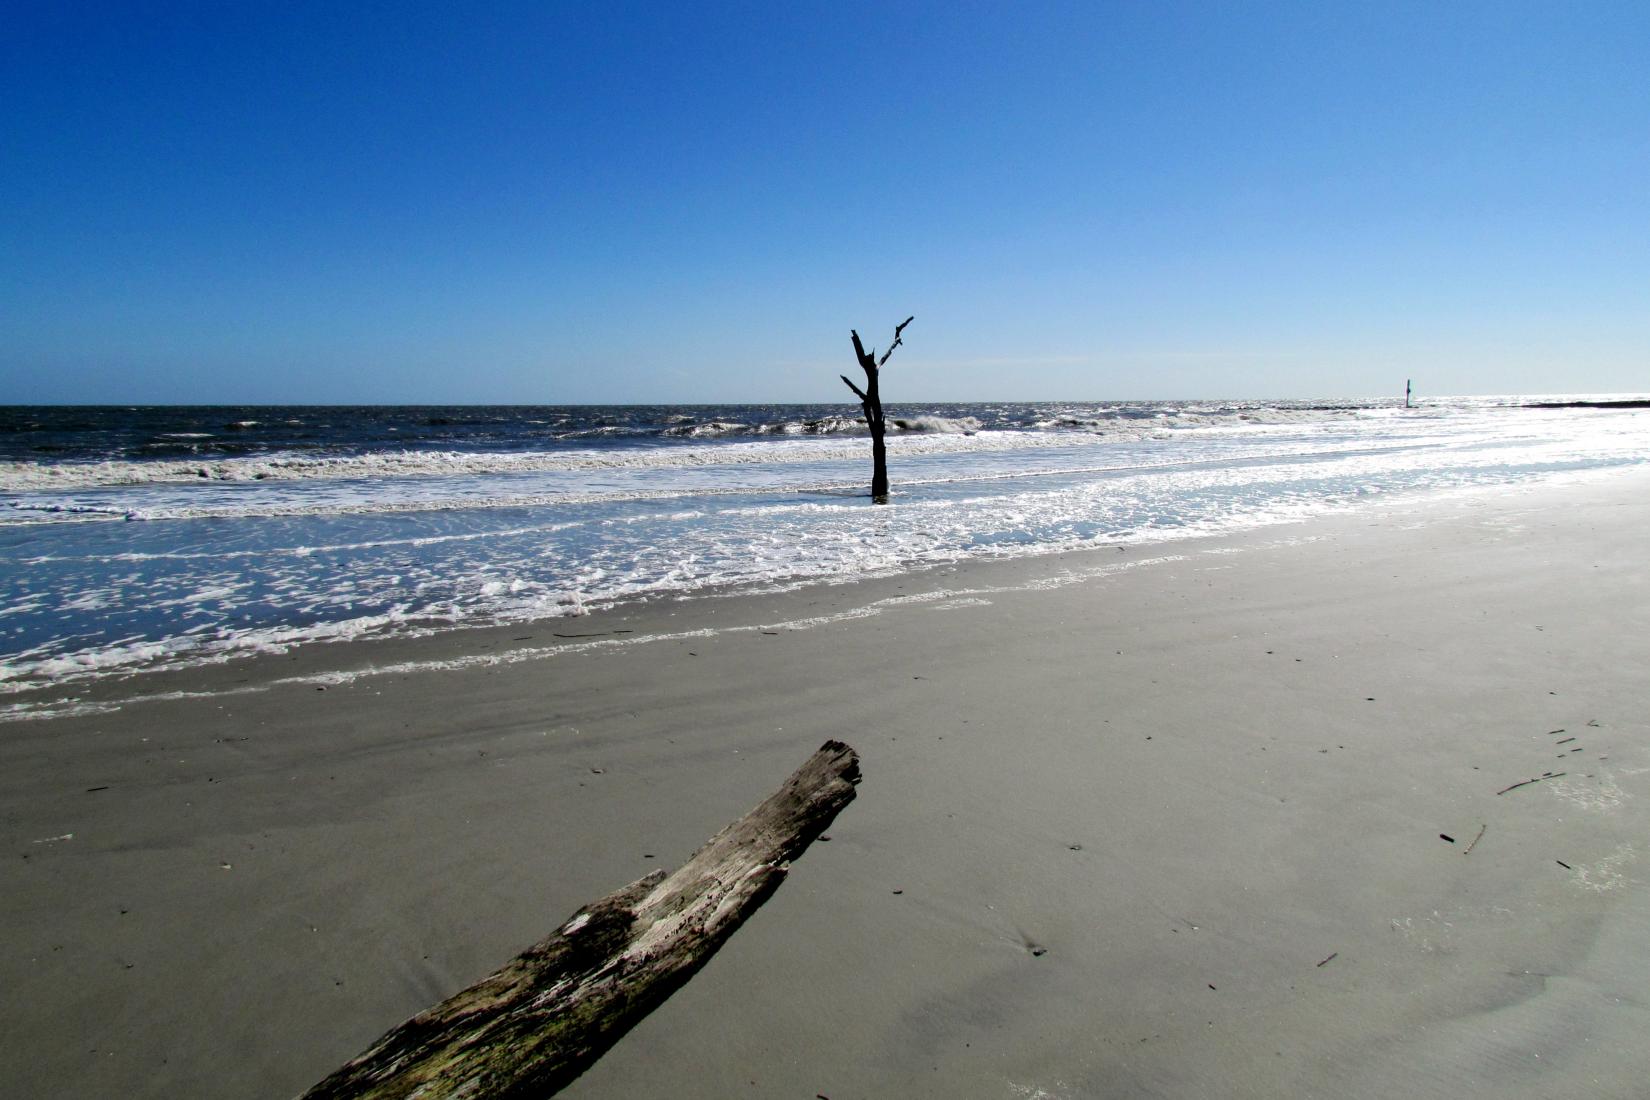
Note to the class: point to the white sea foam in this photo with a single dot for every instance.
(922, 435)
(941, 598)
(799, 473)
(403, 544)
(18, 477)
(124, 654)
(771, 546)
(967, 425)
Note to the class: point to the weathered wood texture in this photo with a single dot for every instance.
(539, 1022)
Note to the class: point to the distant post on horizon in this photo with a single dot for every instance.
(870, 399)
(1407, 392)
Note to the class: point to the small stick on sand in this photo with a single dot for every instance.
(1332, 954)
(1475, 840)
(1527, 782)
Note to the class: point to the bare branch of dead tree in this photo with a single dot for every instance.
(870, 399)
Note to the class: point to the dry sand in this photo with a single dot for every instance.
(1162, 821)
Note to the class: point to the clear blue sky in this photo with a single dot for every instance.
(294, 202)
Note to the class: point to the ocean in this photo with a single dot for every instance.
(136, 538)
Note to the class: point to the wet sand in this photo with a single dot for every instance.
(1181, 820)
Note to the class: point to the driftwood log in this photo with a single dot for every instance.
(536, 1024)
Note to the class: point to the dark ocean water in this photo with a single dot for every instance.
(55, 434)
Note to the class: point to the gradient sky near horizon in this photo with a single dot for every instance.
(618, 202)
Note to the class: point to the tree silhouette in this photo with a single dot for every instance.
(870, 399)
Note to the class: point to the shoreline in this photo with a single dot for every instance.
(327, 661)
(350, 556)
(1193, 764)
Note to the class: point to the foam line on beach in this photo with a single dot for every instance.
(165, 497)
(447, 607)
(112, 614)
(25, 710)
(306, 550)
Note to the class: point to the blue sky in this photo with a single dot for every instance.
(672, 202)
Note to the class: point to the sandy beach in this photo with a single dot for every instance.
(1214, 817)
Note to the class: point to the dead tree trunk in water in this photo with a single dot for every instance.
(870, 399)
(532, 1027)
